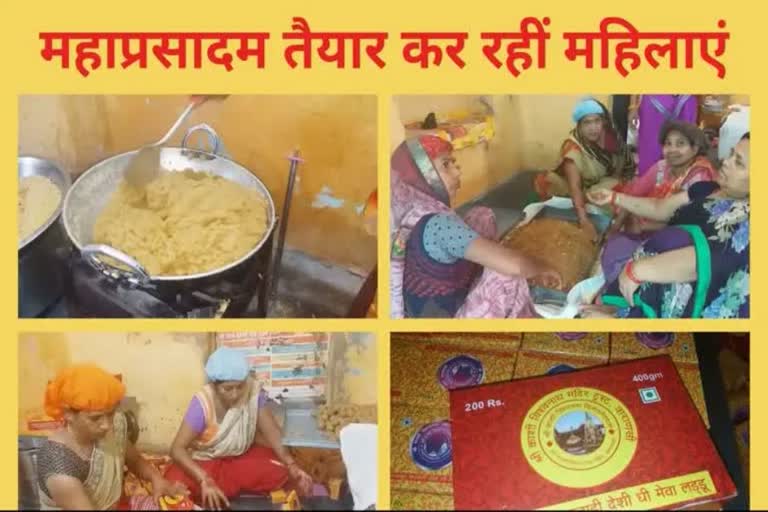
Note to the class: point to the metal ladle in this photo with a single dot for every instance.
(145, 165)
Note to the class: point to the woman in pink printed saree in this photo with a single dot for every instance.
(443, 265)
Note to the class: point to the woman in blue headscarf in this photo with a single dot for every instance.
(214, 451)
(593, 156)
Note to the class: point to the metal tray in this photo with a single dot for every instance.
(544, 296)
(300, 426)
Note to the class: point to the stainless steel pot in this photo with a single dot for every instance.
(42, 254)
(92, 191)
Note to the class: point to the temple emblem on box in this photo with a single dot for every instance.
(579, 437)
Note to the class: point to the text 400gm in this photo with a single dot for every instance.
(647, 377)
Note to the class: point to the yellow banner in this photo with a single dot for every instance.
(652, 495)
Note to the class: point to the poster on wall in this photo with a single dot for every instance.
(288, 365)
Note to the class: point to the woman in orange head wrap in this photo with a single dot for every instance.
(82, 387)
(80, 467)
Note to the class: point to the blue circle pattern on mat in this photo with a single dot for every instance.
(460, 372)
(655, 340)
(571, 336)
(431, 446)
(560, 368)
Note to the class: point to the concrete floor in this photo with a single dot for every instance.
(315, 503)
(507, 200)
(309, 288)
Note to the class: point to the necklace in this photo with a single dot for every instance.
(84, 453)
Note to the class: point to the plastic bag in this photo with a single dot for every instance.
(583, 293)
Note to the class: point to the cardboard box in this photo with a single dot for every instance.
(506, 340)
(421, 454)
(624, 436)
(630, 345)
(534, 364)
(423, 372)
(40, 424)
(585, 344)
(691, 377)
(402, 500)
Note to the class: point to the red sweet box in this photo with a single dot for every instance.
(625, 436)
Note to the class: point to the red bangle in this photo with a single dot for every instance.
(628, 269)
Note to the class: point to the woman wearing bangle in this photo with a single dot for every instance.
(698, 266)
(214, 451)
(684, 164)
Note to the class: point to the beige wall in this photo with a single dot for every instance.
(162, 371)
(546, 122)
(359, 383)
(337, 136)
(740, 99)
(484, 165)
(396, 128)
